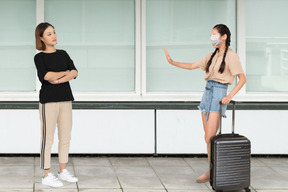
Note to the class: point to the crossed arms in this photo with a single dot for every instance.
(60, 77)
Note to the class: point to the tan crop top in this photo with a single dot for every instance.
(232, 67)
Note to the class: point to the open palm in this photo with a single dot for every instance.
(168, 56)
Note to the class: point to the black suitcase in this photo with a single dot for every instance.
(230, 161)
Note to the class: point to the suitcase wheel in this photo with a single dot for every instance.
(247, 189)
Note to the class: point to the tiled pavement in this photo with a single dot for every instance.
(135, 174)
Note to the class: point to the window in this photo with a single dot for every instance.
(17, 45)
(184, 28)
(267, 46)
(114, 58)
(99, 37)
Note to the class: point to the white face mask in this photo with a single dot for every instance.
(215, 40)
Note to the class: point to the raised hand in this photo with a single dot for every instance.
(189, 66)
(168, 56)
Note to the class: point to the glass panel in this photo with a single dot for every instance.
(267, 46)
(99, 37)
(17, 45)
(183, 26)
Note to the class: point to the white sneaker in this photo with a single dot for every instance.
(66, 176)
(51, 181)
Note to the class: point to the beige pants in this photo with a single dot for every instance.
(52, 114)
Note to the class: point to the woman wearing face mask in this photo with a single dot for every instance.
(55, 69)
(221, 67)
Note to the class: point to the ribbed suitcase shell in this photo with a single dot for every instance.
(230, 162)
(230, 159)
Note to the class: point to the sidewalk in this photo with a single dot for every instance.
(113, 174)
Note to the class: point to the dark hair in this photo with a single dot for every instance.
(40, 45)
(222, 29)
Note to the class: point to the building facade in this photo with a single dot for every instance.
(128, 98)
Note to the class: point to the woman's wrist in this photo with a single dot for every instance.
(230, 97)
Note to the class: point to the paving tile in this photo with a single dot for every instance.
(38, 179)
(17, 171)
(8, 182)
(200, 170)
(134, 171)
(243, 190)
(167, 162)
(22, 174)
(255, 162)
(129, 162)
(275, 161)
(177, 178)
(281, 170)
(267, 178)
(189, 190)
(96, 177)
(164, 171)
(16, 161)
(100, 190)
(144, 190)
(98, 182)
(141, 182)
(67, 186)
(197, 162)
(181, 182)
(91, 171)
(135, 174)
(272, 190)
(95, 161)
(16, 190)
(56, 189)
(209, 186)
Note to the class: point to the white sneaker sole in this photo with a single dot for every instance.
(54, 186)
(67, 180)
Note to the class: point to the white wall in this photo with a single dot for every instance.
(132, 131)
(180, 131)
(113, 131)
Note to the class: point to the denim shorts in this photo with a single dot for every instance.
(213, 94)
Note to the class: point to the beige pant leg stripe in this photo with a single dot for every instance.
(43, 137)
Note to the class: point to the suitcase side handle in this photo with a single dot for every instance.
(233, 116)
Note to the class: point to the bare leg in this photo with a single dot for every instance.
(212, 126)
(205, 128)
(62, 166)
(46, 172)
(210, 129)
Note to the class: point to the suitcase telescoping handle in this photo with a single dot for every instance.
(233, 116)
